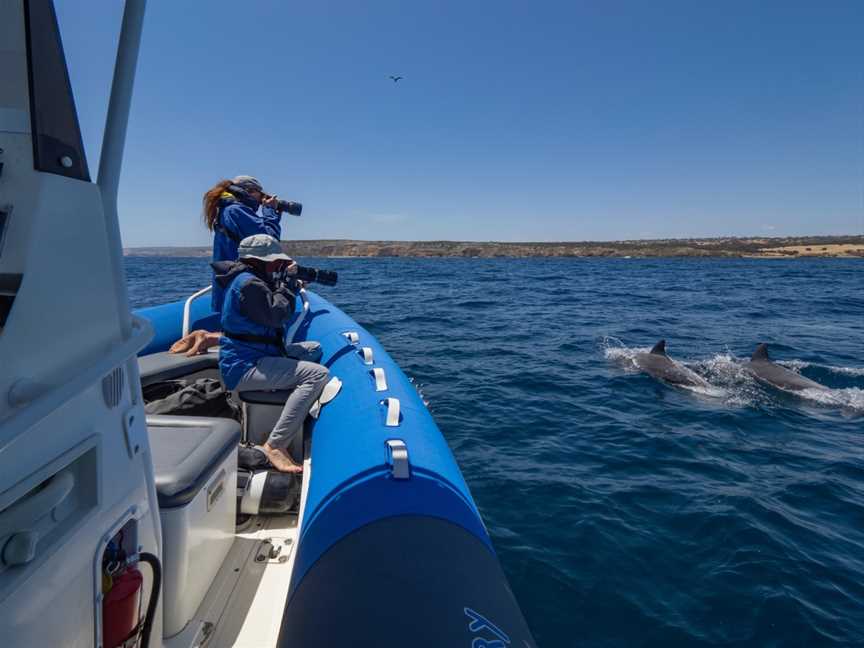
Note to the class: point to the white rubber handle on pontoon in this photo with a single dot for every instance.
(392, 411)
(366, 354)
(291, 332)
(380, 379)
(353, 337)
(187, 308)
(398, 458)
(331, 389)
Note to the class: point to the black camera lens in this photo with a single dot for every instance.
(327, 277)
(293, 208)
(310, 275)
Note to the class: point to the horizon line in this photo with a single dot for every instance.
(560, 242)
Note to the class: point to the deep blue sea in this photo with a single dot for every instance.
(627, 512)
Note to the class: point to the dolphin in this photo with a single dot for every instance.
(762, 368)
(660, 366)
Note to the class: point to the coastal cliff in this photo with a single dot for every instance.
(786, 247)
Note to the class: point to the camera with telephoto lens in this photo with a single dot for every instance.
(309, 275)
(293, 208)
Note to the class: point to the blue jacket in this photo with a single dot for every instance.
(253, 307)
(238, 218)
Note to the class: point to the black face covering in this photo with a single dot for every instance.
(259, 269)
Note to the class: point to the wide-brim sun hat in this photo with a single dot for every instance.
(261, 246)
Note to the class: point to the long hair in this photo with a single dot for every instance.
(211, 203)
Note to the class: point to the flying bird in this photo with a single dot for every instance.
(395, 78)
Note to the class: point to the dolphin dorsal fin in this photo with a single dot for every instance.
(761, 353)
(659, 348)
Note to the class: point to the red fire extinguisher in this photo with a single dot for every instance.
(121, 607)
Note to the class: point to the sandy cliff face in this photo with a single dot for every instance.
(824, 246)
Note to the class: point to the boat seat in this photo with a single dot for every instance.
(261, 410)
(187, 450)
(157, 367)
(275, 397)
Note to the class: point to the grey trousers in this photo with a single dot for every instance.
(301, 374)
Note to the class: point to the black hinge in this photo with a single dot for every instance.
(5, 214)
(9, 285)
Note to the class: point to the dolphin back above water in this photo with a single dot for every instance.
(660, 366)
(764, 369)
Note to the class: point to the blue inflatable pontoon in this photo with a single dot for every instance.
(392, 550)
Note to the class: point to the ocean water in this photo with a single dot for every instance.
(627, 512)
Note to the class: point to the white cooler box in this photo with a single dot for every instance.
(195, 463)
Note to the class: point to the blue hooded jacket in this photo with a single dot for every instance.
(252, 309)
(238, 218)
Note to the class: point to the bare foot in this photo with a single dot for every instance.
(280, 459)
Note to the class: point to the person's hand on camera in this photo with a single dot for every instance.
(283, 275)
(272, 202)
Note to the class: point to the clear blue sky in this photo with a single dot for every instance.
(515, 121)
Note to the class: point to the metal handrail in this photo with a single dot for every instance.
(113, 141)
(187, 307)
(289, 334)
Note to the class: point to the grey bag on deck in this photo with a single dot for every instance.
(201, 397)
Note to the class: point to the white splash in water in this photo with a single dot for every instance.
(798, 365)
(614, 350)
(419, 388)
(847, 371)
(712, 391)
(850, 398)
(726, 372)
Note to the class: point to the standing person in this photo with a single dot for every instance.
(259, 303)
(231, 213)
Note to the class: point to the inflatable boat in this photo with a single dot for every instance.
(389, 547)
(120, 527)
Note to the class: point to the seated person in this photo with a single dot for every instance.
(259, 304)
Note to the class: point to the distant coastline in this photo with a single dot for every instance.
(751, 247)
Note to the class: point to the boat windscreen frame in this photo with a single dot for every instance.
(56, 133)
